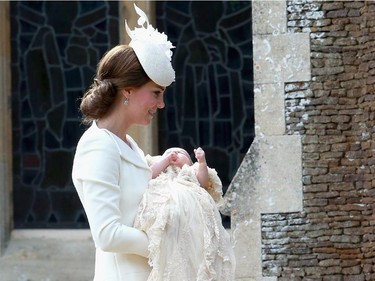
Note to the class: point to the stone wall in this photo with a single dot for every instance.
(334, 237)
(270, 176)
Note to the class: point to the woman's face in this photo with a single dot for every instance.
(144, 103)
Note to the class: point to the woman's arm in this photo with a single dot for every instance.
(96, 173)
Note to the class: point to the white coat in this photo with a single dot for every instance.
(110, 178)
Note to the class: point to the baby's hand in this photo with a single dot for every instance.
(200, 155)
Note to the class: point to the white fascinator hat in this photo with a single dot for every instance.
(152, 49)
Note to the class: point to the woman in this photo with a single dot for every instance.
(110, 171)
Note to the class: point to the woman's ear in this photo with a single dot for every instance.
(126, 93)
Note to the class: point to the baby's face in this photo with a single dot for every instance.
(179, 156)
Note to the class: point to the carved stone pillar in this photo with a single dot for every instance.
(269, 179)
(6, 212)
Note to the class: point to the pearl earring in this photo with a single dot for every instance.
(126, 102)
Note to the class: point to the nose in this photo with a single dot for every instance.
(161, 103)
(174, 155)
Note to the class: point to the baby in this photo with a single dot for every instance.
(179, 157)
(179, 214)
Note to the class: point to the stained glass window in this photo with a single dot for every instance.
(211, 103)
(55, 49)
(56, 46)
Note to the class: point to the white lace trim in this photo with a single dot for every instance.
(181, 219)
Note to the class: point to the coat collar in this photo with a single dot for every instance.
(132, 153)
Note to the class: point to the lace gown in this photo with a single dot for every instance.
(187, 239)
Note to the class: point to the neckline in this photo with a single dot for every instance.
(128, 142)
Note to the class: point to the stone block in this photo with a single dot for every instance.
(269, 109)
(269, 17)
(260, 187)
(281, 58)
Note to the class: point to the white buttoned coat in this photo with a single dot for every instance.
(110, 178)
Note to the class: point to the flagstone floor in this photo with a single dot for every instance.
(45, 255)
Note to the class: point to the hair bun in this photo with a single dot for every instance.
(104, 86)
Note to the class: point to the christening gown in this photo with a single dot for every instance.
(187, 239)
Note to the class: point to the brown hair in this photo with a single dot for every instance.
(118, 69)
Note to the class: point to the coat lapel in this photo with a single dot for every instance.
(133, 155)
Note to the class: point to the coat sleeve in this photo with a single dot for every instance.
(96, 172)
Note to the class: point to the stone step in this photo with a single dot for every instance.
(48, 255)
